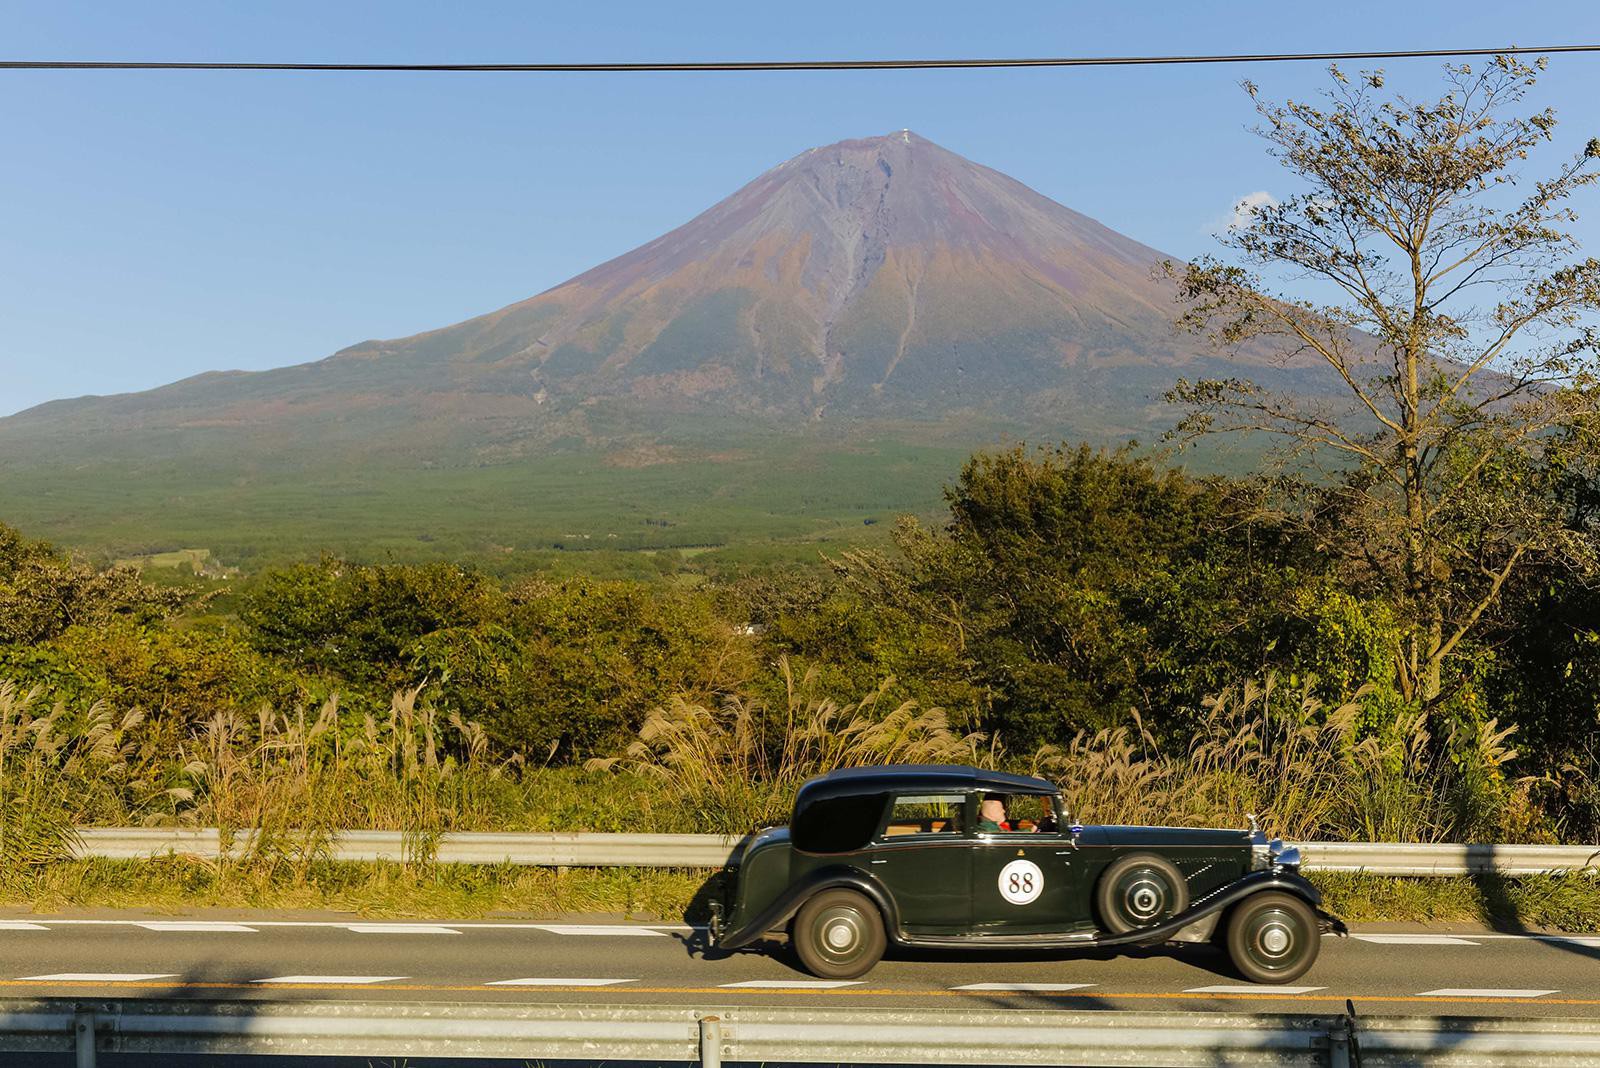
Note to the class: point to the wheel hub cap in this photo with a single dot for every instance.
(1145, 900)
(1275, 939)
(840, 933)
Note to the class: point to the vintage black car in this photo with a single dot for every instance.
(924, 855)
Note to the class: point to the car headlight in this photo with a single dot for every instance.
(1272, 855)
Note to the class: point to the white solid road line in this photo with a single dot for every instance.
(1224, 988)
(559, 982)
(334, 980)
(195, 926)
(790, 984)
(400, 928)
(1023, 988)
(50, 922)
(1471, 992)
(1592, 941)
(1414, 939)
(97, 977)
(600, 929)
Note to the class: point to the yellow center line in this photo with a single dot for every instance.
(1267, 995)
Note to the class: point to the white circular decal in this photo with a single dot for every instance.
(1021, 882)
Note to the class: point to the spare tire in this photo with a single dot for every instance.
(1140, 890)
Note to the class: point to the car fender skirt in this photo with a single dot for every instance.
(789, 902)
(1225, 898)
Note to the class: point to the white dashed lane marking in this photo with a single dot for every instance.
(401, 928)
(1471, 992)
(1225, 988)
(1414, 940)
(1024, 988)
(20, 925)
(559, 982)
(334, 980)
(196, 926)
(97, 977)
(791, 984)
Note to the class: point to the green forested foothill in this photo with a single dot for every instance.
(1159, 642)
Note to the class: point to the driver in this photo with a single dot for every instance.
(992, 813)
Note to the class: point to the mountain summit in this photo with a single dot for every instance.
(882, 274)
(879, 277)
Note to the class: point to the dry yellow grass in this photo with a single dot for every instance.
(738, 765)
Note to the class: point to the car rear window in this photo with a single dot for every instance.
(928, 814)
(837, 824)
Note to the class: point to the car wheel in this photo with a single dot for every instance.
(838, 934)
(1140, 891)
(1273, 937)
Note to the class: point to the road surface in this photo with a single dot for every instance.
(256, 955)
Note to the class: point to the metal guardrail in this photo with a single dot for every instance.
(539, 850)
(713, 851)
(1443, 859)
(170, 1028)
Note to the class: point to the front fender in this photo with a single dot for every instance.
(788, 903)
(1224, 898)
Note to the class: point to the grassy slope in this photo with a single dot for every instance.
(752, 495)
(748, 493)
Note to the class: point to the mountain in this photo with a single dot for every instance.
(877, 283)
(885, 276)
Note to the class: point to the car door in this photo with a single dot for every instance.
(1029, 881)
(923, 854)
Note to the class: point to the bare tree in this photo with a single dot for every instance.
(1455, 313)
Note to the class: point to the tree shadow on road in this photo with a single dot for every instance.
(1504, 911)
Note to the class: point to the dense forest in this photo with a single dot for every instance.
(1071, 592)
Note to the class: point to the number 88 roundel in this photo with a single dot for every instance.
(1021, 882)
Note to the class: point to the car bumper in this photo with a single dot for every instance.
(1331, 924)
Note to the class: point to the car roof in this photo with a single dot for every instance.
(932, 778)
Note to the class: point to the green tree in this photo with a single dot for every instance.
(359, 621)
(1457, 328)
(43, 592)
(572, 668)
(1072, 586)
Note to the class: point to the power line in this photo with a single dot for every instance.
(788, 65)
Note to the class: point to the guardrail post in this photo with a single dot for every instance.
(1338, 1045)
(1343, 1052)
(83, 1038)
(710, 1042)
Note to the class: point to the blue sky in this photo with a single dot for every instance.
(154, 225)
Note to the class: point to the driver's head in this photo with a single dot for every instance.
(992, 808)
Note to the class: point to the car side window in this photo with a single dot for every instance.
(928, 815)
(1026, 814)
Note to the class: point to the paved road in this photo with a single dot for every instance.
(259, 956)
